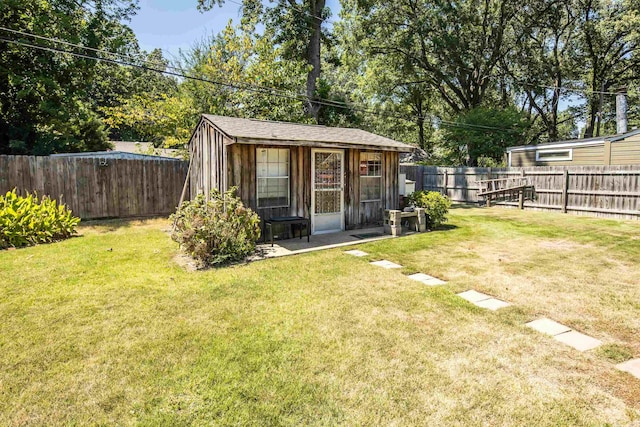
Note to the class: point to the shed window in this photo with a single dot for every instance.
(554, 155)
(370, 176)
(272, 172)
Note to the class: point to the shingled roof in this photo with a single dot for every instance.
(249, 130)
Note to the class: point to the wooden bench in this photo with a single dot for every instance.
(287, 220)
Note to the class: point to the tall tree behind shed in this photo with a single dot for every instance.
(298, 28)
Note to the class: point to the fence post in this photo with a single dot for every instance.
(565, 190)
(521, 199)
(445, 183)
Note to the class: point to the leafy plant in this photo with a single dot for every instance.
(218, 230)
(30, 220)
(436, 206)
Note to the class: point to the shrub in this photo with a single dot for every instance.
(29, 220)
(216, 231)
(436, 206)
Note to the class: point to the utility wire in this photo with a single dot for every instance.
(267, 90)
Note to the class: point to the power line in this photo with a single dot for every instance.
(258, 89)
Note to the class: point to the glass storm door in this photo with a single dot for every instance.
(327, 199)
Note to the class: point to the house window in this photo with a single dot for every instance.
(554, 155)
(272, 173)
(370, 176)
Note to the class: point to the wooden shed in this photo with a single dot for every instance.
(621, 149)
(340, 178)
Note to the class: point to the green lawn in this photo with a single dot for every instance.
(108, 329)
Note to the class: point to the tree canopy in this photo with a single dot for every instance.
(461, 79)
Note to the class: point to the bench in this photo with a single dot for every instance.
(393, 220)
(287, 220)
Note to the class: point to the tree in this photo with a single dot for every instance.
(454, 47)
(297, 29)
(543, 59)
(610, 49)
(255, 80)
(45, 105)
(484, 132)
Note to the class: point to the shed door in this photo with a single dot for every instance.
(327, 201)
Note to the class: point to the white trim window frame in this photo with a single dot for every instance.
(370, 170)
(272, 167)
(568, 157)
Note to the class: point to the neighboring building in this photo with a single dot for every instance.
(115, 155)
(143, 148)
(340, 178)
(621, 149)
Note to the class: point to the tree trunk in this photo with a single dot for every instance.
(600, 102)
(553, 128)
(313, 59)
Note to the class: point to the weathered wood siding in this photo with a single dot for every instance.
(99, 188)
(360, 214)
(241, 172)
(208, 156)
(220, 162)
(606, 191)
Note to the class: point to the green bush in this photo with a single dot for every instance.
(436, 206)
(29, 220)
(216, 231)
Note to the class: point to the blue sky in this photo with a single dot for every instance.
(172, 25)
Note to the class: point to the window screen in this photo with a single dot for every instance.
(272, 171)
(370, 176)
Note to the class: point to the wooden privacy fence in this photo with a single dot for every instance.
(99, 188)
(607, 191)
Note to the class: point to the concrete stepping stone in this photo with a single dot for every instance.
(356, 252)
(630, 366)
(473, 296)
(386, 264)
(580, 342)
(426, 279)
(492, 304)
(548, 326)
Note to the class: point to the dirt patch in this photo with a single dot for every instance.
(185, 261)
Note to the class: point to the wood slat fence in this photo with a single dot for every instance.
(606, 191)
(99, 188)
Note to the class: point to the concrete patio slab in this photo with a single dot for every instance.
(386, 264)
(473, 296)
(548, 326)
(356, 252)
(580, 342)
(426, 279)
(630, 366)
(318, 242)
(492, 304)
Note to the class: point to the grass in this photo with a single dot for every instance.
(107, 329)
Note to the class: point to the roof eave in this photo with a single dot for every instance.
(321, 144)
